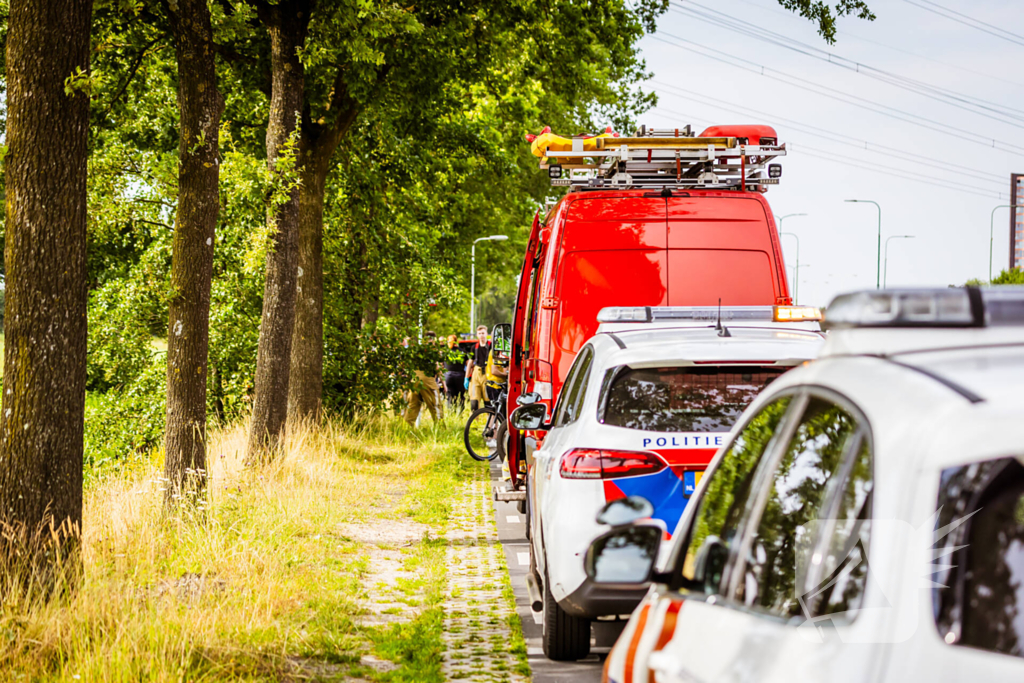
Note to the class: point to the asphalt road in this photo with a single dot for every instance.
(512, 534)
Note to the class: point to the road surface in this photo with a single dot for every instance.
(512, 534)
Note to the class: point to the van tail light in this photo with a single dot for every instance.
(544, 389)
(593, 463)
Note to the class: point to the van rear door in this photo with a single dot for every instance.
(612, 254)
(721, 246)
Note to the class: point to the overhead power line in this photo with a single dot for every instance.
(872, 167)
(966, 20)
(789, 16)
(975, 105)
(832, 93)
(833, 136)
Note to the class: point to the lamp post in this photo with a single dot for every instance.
(885, 278)
(991, 225)
(878, 266)
(796, 277)
(472, 277)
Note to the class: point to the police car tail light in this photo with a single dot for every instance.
(795, 314)
(593, 463)
(950, 307)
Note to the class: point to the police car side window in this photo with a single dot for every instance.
(788, 516)
(835, 586)
(979, 538)
(572, 393)
(714, 528)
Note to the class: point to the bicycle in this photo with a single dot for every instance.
(486, 429)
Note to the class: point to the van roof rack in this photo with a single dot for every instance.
(721, 157)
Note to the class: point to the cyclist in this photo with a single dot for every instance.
(496, 373)
(475, 370)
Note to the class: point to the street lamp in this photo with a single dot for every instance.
(891, 237)
(796, 278)
(878, 267)
(991, 224)
(472, 277)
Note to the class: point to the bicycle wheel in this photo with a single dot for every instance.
(480, 433)
(502, 438)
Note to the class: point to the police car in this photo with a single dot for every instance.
(647, 403)
(865, 522)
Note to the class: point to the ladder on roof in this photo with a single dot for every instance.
(665, 158)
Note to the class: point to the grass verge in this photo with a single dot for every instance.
(279, 576)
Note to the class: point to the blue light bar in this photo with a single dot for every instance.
(950, 307)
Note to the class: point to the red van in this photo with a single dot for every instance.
(664, 241)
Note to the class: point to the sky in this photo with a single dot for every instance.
(937, 165)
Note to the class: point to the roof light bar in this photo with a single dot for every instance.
(951, 307)
(709, 314)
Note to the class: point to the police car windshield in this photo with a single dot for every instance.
(682, 399)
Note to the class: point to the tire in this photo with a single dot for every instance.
(566, 638)
(480, 428)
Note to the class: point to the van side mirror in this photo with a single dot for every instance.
(624, 557)
(530, 417)
(527, 399)
(501, 338)
(625, 511)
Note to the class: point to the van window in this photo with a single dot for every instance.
(530, 314)
(683, 399)
(699, 277)
(980, 598)
(572, 395)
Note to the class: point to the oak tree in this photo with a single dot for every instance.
(41, 424)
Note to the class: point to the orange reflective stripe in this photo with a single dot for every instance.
(641, 623)
(668, 627)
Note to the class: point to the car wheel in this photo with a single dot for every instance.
(566, 638)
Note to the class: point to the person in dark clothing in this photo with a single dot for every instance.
(455, 373)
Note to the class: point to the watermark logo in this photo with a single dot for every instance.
(837, 583)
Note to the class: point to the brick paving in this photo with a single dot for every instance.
(478, 617)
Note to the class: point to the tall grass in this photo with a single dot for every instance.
(259, 582)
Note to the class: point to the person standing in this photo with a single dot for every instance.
(477, 369)
(455, 373)
(423, 389)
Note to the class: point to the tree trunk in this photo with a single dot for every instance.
(318, 144)
(41, 425)
(287, 23)
(305, 390)
(188, 338)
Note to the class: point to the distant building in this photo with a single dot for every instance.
(1017, 220)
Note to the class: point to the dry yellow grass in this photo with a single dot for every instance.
(261, 582)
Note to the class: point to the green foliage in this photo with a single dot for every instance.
(825, 15)
(434, 159)
(1013, 276)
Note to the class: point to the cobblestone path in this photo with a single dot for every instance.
(481, 628)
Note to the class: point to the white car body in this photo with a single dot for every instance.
(938, 406)
(562, 510)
